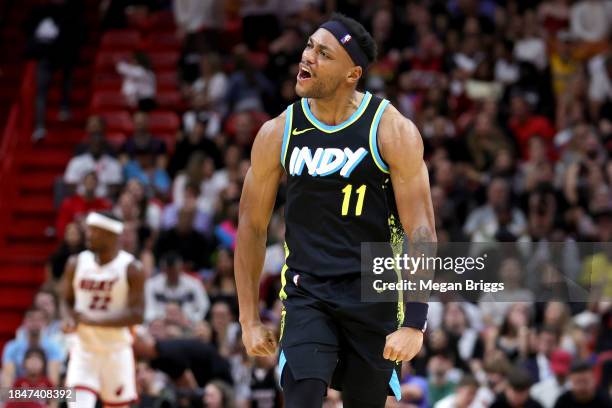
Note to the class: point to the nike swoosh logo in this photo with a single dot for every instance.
(299, 132)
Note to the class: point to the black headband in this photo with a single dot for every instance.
(346, 40)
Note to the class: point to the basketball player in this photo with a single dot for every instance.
(354, 170)
(104, 291)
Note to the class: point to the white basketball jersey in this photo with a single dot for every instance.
(99, 291)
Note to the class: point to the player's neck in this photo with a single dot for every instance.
(106, 255)
(337, 108)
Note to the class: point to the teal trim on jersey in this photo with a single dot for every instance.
(286, 134)
(282, 360)
(395, 385)
(373, 137)
(330, 129)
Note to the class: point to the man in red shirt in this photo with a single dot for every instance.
(525, 124)
(79, 205)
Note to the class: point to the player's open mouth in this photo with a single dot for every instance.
(304, 74)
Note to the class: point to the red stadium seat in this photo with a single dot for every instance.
(108, 101)
(121, 40)
(106, 81)
(106, 60)
(118, 121)
(171, 100)
(164, 60)
(167, 81)
(258, 59)
(162, 21)
(161, 41)
(163, 122)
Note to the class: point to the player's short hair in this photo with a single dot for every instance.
(360, 34)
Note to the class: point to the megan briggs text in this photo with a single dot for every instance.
(468, 285)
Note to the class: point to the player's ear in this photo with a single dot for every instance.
(354, 74)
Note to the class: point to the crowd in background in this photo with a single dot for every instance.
(514, 103)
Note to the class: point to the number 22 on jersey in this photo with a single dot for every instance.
(347, 199)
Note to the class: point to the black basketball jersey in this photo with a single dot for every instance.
(338, 191)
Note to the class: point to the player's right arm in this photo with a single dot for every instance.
(256, 206)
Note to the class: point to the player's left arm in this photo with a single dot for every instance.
(134, 312)
(401, 147)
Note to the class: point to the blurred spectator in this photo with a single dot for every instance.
(591, 19)
(531, 47)
(227, 230)
(483, 224)
(72, 244)
(202, 112)
(554, 15)
(539, 364)
(525, 124)
(512, 337)
(248, 88)
(138, 86)
(218, 394)
(260, 23)
(145, 157)
(55, 33)
(264, 386)
(600, 87)
(149, 207)
(226, 330)
(13, 355)
(547, 391)
(212, 83)
(48, 301)
(34, 377)
(563, 64)
(414, 388)
(583, 392)
(506, 67)
(195, 249)
(439, 384)
(223, 282)
(462, 338)
(173, 285)
(149, 384)
(95, 159)
(189, 363)
(76, 207)
(193, 141)
(199, 22)
(516, 394)
(484, 141)
(463, 396)
(95, 129)
(202, 221)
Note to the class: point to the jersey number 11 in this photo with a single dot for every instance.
(347, 198)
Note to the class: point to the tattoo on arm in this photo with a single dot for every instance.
(422, 244)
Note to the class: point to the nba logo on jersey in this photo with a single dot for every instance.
(346, 39)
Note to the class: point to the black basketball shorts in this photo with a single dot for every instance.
(329, 334)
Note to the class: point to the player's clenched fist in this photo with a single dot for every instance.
(403, 344)
(258, 339)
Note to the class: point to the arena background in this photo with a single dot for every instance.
(149, 109)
